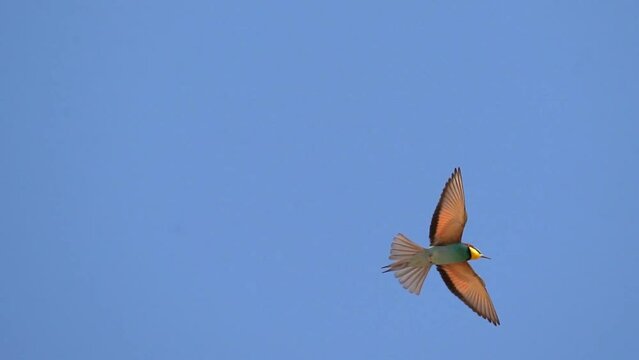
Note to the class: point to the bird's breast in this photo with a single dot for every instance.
(448, 254)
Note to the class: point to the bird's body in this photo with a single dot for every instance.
(448, 254)
(412, 262)
(442, 255)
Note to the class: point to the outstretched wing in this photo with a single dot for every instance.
(462, 280)
(449, 218)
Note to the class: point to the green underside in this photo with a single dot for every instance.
(447, 254)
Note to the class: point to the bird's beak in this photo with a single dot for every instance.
(486, 257)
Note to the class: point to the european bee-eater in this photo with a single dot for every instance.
(412, 262)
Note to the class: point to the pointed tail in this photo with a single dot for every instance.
(411, 263)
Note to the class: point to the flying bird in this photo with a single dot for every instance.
(446, 251)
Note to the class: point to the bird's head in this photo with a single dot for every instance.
(475, 253)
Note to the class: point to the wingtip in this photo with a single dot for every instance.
(493, 319)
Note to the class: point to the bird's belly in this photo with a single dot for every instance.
(448, 254)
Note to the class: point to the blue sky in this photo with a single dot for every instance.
(222, 180)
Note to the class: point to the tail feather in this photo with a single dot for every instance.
(410, 264)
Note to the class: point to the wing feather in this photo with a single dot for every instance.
(449, 218)
(462, 280)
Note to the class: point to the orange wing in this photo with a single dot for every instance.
(449, 217)
(462, 280)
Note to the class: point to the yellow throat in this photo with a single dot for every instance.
(474, 253)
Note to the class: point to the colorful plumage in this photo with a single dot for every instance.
(411, 262)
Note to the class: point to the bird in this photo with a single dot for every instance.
(411, 262)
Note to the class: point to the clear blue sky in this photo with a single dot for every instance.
(222, 180)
